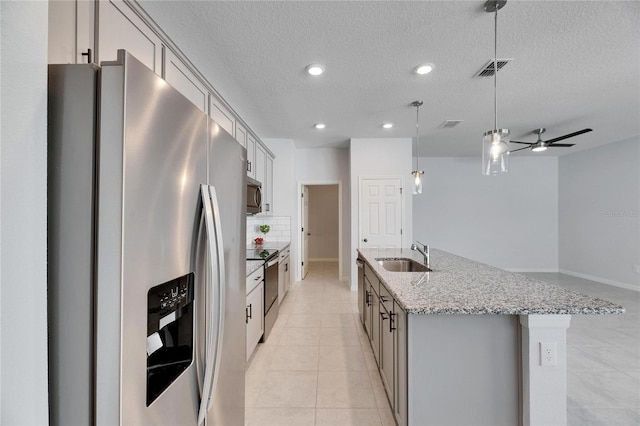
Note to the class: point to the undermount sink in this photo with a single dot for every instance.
(395, 264)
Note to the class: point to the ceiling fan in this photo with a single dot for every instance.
(541, 145)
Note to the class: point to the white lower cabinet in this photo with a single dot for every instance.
(254, 311)
(284, 273)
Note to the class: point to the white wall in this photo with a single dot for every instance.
(323, 222)
(23, 206)
(600, 213)
(508, 221)
(379, 158)
(326, 166)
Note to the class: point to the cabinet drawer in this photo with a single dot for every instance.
(372, 278)
(254, 279)
(385, 298)
(284, 253)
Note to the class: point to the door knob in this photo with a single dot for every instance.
(365, 240)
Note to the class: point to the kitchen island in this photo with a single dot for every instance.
(468, 343)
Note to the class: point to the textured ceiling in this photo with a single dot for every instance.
(575, 64)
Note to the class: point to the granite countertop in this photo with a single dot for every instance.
(458, 285)
(252, 265)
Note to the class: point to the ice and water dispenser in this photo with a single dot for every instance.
(170, 329)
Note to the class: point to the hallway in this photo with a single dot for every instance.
(317, 367)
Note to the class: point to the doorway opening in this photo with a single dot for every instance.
(320, 239)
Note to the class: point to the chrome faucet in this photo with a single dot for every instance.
(423, 251)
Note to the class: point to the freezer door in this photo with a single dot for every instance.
(153, 152)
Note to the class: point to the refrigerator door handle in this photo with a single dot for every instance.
(209, 304)
(221, 292)
(199, 289)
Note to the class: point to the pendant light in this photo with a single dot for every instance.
(495, 143)
(417, 173)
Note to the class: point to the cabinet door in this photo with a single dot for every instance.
(222, 116)
(399, 319)
(269, 181)
(71, 31)
(281, 290)
(255, 167)
(375, 324)
(182, 79)
(254, 318)
(261, 165)
(386, 352)
(120, 28)
(367, 306)
(287, 275)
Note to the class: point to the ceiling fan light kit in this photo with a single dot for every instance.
(540, 145)
(495, 143)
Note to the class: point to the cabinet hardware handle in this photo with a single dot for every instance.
(259, 277)
(366, 297)
(391, 327)
(365, 240)
(286, 267)
(88, 55)
(382, 314)
(383, 299)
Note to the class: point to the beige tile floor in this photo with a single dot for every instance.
(317, 367)
(603, 357)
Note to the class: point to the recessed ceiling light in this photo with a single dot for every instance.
(320, 126)
(315, 69)
(423, 69)
(387, 125)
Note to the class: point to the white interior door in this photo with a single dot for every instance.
(305, 231)
(380, 213)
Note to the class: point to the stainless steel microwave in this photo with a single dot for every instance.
(254, 196)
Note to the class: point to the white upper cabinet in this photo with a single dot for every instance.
(119, 27)
(251, 156)
(268, 206)
(181, 78)
(261, 163)
(222, 116)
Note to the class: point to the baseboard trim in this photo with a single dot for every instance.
(324, 259)
(600, 280)
(520, 270)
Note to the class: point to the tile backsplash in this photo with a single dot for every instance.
(280, 228)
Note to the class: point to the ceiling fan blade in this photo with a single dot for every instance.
(561, 145)
(526, 143)
(570, 135)
(519, 149)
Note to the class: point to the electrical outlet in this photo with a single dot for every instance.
(548, 355)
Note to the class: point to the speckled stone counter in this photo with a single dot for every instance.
(252, 265)
(461, 286)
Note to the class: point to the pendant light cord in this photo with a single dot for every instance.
(417, 140)
(495, 73)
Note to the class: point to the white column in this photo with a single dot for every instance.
(544, 374)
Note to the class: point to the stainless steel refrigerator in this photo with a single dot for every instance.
(146, 240)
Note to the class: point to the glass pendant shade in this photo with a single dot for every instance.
(417, 181)
(495, 152)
